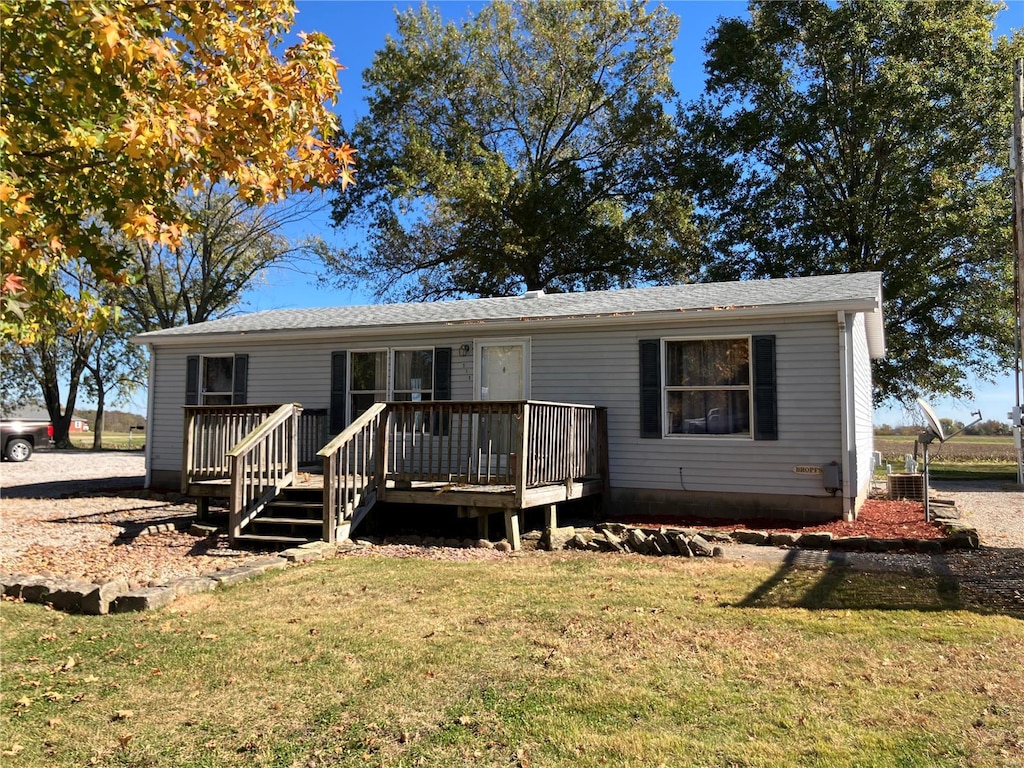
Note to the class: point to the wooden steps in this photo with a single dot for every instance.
(294, 517)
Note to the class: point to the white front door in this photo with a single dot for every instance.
(501, 374)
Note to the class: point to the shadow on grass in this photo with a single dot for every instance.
(825, 581)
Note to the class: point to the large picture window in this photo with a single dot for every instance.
(707, 385)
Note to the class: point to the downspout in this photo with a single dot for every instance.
(150, 379)
(845, 417)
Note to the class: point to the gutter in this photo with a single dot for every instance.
(845, 417)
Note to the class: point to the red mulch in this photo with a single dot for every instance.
(878, 519)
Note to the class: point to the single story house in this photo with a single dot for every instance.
(740, 399)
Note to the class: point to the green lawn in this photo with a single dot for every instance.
(567, 660)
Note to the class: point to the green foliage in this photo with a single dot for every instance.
(853, 136)
(525, 148)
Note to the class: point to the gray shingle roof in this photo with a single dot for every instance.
(839, 289)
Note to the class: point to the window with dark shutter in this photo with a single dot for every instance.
(650, 388)
(339, 391)
(765, 409)
(442, 386)
(192, 380)
(239, 392)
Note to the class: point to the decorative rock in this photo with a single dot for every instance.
(713, 535)
(364, 543)
(816, 540)
(35, 589)
(202, 529)
(665, 544)
(682, 544)
(700, 546)
(637, 539)
(613, 541)
(758, 538)
(325, 548)
(928, 545)
(554, 539)
(784, 539)
(145, 599)
(68, 595)
(249, 570)
(502, 546)
(579, 541)
(654, 546)
(97, 602)
(850, 543)
(963, 538)
(717, 552)
(452, 543)
(484, 544)
(301, 555)
(193, 585)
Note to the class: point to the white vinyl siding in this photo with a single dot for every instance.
(599, 367)
(863, 409)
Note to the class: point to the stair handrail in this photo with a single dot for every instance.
(261, 464)
(350, 469)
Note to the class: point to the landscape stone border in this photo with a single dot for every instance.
(115, 596)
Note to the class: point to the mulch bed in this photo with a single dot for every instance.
(878, 519)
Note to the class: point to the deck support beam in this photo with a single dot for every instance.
(483, 525)
(512, 529)
(551, 516)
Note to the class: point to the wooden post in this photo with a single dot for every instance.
(235, 504)
(330, 495)
(551, 516)
(483, 524)
(512, 528)
(188, 448)
(381, 459)
(524, 460)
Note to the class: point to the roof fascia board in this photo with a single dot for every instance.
(619, 319)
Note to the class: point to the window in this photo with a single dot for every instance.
(369, 381)
(414, 375)
(361, 378)
(216, 379)
(707, 387)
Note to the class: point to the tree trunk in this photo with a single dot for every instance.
(97, 428)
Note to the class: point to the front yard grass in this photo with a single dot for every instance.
(544, 660)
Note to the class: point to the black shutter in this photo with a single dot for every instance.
(442, 385)
(238, 395)
(442, 373)
(650, 388)
(339, 391)
(766, 425)
(192, 380)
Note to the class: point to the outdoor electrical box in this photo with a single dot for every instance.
(832, 477)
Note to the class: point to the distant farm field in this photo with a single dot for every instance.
(965, 449)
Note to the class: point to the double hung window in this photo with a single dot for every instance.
(707, 386)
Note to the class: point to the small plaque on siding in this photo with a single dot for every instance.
(807, 469)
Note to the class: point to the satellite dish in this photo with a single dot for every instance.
(933, 421)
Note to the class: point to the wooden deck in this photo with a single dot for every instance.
(480, 457)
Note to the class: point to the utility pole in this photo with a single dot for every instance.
(1017, 164)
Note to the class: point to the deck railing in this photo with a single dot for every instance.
(261, 464)
(351, 471)
(210, 432)
(521, 443)
(312, 434)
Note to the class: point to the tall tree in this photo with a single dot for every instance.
(229, 244)
(115, 368)
(849, 136)
(523, 148)
(112, 108)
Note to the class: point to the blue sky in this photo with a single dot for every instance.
(359, 28)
